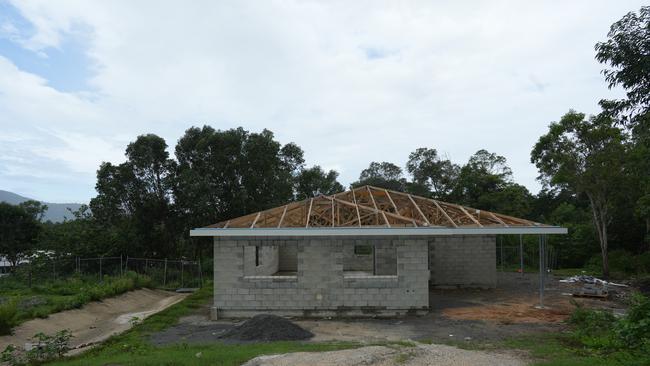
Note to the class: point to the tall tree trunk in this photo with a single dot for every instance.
(601, 220)
(603, 248)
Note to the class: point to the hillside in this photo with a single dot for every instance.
(56, 212)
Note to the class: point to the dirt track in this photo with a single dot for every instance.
(420, 355)
(96, 321)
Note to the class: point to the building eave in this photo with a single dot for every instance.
(377, 231)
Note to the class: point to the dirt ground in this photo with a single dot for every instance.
(456, 315)
(96, 321)
(420, 355)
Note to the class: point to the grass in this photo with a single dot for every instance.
(563, 350)
(569, 348)
(21, 303)
(132, 347)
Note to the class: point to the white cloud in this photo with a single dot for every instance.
(455, 76)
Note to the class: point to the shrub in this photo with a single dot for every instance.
(622, 261)
(46, 348)
(644, 262)
(600, 330)
(8, 312)
(634, 329)
(590, 321)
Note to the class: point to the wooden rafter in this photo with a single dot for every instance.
(374, 204)
(497, 219)
(311, 203)
(470, 216)
(363, 206)
(418, 209)
(284, 212)
(257, 217)
(444, 213)
(357, 206)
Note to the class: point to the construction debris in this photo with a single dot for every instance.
(267, 328)
(592, 290)
(590, 280)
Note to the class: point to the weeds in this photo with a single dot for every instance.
(599, 332)
(58, 295)
(44, 348)
(8, 312)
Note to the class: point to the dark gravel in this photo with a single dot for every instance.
(267, 328)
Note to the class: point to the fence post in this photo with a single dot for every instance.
(181, 273)
(165, 274)
(521, 255)
(121, 269)
(501, 246)
(146, 265)
(100, 270)
(126, 264)
(200, 275)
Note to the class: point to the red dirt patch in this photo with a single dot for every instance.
(511, 313)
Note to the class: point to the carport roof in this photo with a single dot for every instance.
(369, 210)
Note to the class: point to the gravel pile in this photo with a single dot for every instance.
(267, 328)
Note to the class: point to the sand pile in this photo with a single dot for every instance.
(267, 328)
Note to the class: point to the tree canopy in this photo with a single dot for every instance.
(19, 229)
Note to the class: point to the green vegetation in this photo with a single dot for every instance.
(595, 338)
(50, 347)
(21, 303)
(132, 347)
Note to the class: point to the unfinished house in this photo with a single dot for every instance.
(367, 251)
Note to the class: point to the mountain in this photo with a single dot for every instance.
(56, 212)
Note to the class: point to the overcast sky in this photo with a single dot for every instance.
(350, 82)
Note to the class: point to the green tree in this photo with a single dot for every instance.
(18, 232)
(35, 208)
(383, 175)
(485, 173)
(586, 156)
(627, 52)
(429, 170)
(225, 174)
(314, 180)
(134, 199)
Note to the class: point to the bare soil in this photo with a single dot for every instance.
(420, 355)
(96, 321)
(508, 311)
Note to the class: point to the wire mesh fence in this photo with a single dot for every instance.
(164, 273)
(522, 255)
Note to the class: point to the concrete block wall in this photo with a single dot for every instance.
(385, 257)
(463, 261)
(288, 261)
(320, 287)
(268, 260)
(355, 262)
